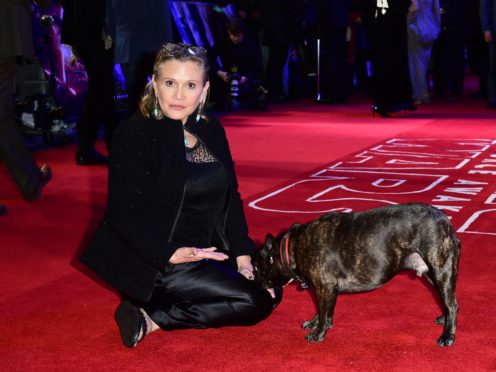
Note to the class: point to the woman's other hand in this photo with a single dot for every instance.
(245, 267)
(224, 76)
(192, 254)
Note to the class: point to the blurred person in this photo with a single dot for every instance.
(237, 70)
(387, 28)
(83, 28)
(333, 23)
(174, 240)
(281, 22)
(448, 52)
(488, 23)
(477, 50)
(359, 73)
(137, 30)
(424, 23)
(249, 12)
(16, 46)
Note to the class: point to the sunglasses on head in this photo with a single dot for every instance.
(180, 48)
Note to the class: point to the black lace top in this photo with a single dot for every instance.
(204, 197)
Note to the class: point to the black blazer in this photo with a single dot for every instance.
(132, 244)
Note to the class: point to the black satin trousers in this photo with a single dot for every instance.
(206, 294)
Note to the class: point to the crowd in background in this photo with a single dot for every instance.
(329, 49)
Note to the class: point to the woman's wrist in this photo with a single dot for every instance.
(245, 266)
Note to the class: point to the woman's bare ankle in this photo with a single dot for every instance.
(151, 326)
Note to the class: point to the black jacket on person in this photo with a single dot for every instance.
(146, 184)
(246, 56)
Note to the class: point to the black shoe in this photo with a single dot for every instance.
(325, 101)
(46, 175)
(380, 111)
(131, 322)
(90, 157)
(276, 300)
(3, 210)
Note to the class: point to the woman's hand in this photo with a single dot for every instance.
(192, 254)
(224, 76)
(245, 267)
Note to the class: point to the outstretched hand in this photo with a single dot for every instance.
(192, 254)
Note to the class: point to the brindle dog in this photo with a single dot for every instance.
(355, 252)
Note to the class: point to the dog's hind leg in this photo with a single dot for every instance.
(444, 277)
(324, 318)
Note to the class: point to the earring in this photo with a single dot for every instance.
(156, 111)
(200, 110)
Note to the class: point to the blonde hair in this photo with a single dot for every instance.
(172, 52)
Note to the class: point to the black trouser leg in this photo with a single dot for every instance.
(206, 294)
(100, 106)
(278, 54)
(439, 71)
(13, 152)
(491, 80)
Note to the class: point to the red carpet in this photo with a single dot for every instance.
(294, 162)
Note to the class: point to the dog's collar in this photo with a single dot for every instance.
(284, 252)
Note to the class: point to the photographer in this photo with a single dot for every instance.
(237, 71)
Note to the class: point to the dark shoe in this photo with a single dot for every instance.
(46, 175)
(3, 210)
(278, 99)
(277, 300)
(380, 111)
(491, 105)
(325, 101)
(131, 322)
(90, 157)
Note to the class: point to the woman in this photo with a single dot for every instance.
(174, 220)
(424, 24)
(386, 22)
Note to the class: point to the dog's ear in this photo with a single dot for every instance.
(269, 241)
(294, 226)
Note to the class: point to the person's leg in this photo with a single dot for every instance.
(108, 109)
(13, 152)
(418, 55)
(137, 75)
(219, 93)
(491, 81)
(457, 49)
(275, 65)
(206, 294)
(128, 70)
(338, 65)
(91, 119)
(439, 65)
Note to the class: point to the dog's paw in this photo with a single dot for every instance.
(309, 324)
(446, 340)
(315, 337)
